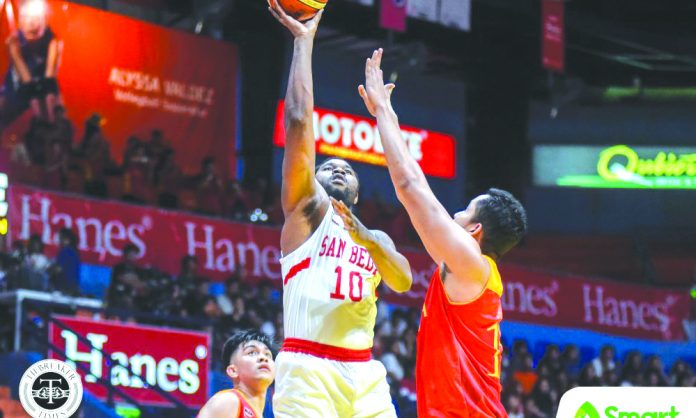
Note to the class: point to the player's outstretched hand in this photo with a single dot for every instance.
(358, 232)
(375, 93)
(298, 29)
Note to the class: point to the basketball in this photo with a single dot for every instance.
(302, 9)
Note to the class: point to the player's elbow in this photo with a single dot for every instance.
(297, 116)
(404, 283)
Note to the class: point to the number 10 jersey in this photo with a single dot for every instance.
(329, 289)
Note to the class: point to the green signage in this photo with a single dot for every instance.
(587, 410)
(615, 167)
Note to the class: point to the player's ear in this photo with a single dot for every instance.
(476, 231)
(232, 371)
(355, 201)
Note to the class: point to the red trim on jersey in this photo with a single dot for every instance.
(294, 270)
(330, 352)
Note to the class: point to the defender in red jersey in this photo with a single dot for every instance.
(458, 348)
(250, 366)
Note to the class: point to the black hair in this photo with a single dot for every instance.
(241, 337)
(504, 222)
(130, 248)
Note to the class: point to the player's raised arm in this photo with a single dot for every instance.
(443, 238)
(298, 184)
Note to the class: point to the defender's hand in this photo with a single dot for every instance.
(358, 232)
(298, 29)
(375, 93)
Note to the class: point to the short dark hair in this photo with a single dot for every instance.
(504, 222)
(130, 248)
(242, 337)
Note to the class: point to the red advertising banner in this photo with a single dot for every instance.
(136, 75)
(163, 237)
(357, 138)
(392, 15)
(553, 35)
(578, 302)
(175, 360)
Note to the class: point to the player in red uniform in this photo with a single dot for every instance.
(458, 347)
(250, 366)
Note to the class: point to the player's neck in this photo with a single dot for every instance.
(255, 397)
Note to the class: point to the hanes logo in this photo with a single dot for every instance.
(50, 389)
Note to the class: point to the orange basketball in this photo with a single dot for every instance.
(302, 9)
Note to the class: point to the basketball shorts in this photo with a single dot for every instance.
(313, 387)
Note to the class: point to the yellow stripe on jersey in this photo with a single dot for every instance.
(313, 3)
(495, 283)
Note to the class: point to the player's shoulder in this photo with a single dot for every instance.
(224, 404)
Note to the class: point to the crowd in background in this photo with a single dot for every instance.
(532, 387)
(49, 157)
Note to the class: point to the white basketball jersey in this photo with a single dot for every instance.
(329, 288)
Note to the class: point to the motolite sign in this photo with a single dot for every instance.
(357, 138)
(177, 361)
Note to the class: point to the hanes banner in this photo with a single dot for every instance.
(175, 360)
(137, 76)
(162, 238)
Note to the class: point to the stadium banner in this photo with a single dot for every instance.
(392, 15)
(163, 237)
(356, 138)
(140, 356)
(553, 35)
(616, 308)
(136, 76)
(615, 166)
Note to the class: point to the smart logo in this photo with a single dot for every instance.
(628, 402)
(587, 410)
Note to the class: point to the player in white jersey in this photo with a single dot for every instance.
(331, 267)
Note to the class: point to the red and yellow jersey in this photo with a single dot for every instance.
(459, 353)
(245, 408)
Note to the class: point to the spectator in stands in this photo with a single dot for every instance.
(588, 376)
(96, 153)
(157, 145)
(544, 398)
(571, 360)
(605, 361)
(137, 175)
(680, 371)
(514, 406)
(189, 284)
(552, 359)
(519, 355)
(526, 374)
(68, 262)
(209, 187)
(632, 369)
(392, 352)
(235, 201)
(127, 284)
(34, 271)
(36, 140)
(225, 300)
(63, 128)
(654, 369)
(167, 178)
(56, 166)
